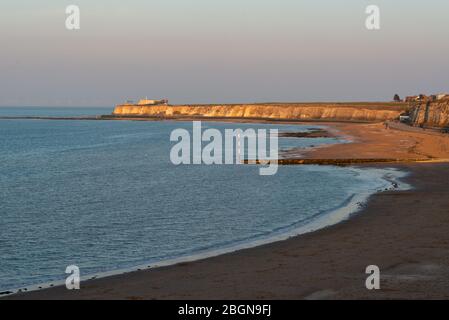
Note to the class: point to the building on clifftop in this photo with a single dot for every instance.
(148, 102)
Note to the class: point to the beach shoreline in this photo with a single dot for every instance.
(253, 273)
(395, 231)
(387, 179)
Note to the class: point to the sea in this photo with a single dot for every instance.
(104, 196)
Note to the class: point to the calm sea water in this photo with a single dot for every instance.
(103, 195)
(53, 111)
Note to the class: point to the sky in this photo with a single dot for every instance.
(220, 51)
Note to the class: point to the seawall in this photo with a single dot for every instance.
(288, 111)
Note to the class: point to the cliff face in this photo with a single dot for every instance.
(433, 114)
(355, 111)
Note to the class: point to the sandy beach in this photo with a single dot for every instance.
(403, 232)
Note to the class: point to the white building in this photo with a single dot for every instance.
(148, 102)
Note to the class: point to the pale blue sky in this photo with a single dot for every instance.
(199, 51)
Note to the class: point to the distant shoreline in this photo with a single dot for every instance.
(178, 118)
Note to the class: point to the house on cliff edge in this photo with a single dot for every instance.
(148, 102)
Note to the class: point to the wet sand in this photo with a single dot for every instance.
(405, 233)
(375, 141)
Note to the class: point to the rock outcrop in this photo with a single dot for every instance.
(298, 111)
(432, 114)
